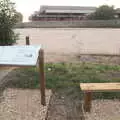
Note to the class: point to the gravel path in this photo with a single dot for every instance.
(21, 104)
(4, 72)
(18, 104)
(104, 110)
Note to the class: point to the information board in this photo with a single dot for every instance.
(19, 55)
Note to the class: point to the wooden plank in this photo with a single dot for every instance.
(87, 101)
(4, 68)
(24, 66)
(27, 40)
(42, 77)
(8, 68)
(100, 87)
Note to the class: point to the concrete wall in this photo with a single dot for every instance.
(67, 24)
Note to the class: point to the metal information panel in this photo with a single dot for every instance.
(19, 55)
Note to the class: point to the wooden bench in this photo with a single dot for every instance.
(88, 88)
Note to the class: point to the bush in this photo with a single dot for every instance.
(7, 22)
(103, 12)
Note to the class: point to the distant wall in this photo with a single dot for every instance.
(67, 24)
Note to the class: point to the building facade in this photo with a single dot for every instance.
(61, 13)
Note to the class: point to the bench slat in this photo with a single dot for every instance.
(100, 87)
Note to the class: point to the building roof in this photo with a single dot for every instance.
(67, 9)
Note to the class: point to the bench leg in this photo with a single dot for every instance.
(87, 101)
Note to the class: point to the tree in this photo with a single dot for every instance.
(7, 22)
(18, 16)
(104, 12)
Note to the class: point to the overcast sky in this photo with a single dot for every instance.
(27, 7)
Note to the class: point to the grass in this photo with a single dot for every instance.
(67, 75)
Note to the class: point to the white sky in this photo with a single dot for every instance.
(27, 7)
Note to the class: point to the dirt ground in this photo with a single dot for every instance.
(19, 104)
(65, 45)
(62, 107)
(105, 59)
(66, 104)
(104, 110)
(73, 40)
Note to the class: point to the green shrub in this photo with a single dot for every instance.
(7, 22)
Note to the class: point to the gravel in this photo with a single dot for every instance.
(104, 110)
(18, 104)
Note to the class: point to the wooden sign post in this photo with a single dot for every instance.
(42, 76)
(27, 40)
(25, 56)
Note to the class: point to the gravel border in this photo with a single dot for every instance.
(19, 104)
(104, 110)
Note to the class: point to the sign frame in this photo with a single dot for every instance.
(41, 74)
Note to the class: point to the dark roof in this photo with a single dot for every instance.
(67, 9)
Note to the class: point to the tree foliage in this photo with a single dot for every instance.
(7, 21)
(19, 17)
(104, 12)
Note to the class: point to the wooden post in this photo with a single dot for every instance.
(42, 77)
(27, 40)
(87, 101)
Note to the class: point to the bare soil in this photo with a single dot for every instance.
(18, 104)
(105, 59)
(66, 104)
(73, 40)
(63, 107)
(104, 110)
